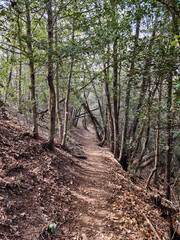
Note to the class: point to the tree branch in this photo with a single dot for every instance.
(170, 7)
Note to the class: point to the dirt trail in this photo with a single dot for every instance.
(105, 204)
(92, 207)
(88, 198)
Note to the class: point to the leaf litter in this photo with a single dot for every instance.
(56, 195)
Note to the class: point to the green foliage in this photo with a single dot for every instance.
(176, 134)
(52, 227)
(175, 42)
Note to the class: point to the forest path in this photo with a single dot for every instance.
(104, 203)
(92, 209)
(88, 198)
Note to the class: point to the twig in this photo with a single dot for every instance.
(154, 230)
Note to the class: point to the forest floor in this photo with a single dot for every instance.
(78, 193)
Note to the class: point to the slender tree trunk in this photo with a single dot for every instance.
(119, 87)
(67, 105)
(145, 143)
(169, 144)
(19, 87)
(99, 104)
(101, 113)
(115, 100)
(115, 83)
(156, 155)
(68, 92)
(169, 137)
(110, 118)
(52, 104)
(20, 68)
(158, 120)
(10, 74)
(94, 120)
(8, 83)
(58, 113)
(137, 143)
(32, 73)
(84, 123)
(169, 140)
(108, 104)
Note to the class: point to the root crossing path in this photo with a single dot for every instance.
(97, 191)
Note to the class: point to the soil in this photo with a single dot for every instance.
(80, 192)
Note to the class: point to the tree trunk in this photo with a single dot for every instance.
(58, 113)
(169, 137)
(169, 140)
(158, 120)
(101, 113)
(8, 83)
(145, 143)
(68, 91)
(156, 155)
(19, 88)
(32, 73)
(52, 99)
(67, 105)
(109, 111)
(84, 123)
(137, 144)
(10, 75)
(94, 120)
(115, 100)
(20, 68)
(105, 131)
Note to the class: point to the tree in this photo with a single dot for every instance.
(31, 69)
(52, 96)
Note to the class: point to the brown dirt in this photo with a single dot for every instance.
(85, 198)
(105, 203)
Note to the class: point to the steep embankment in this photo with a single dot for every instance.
(82, 193)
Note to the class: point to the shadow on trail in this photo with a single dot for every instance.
(92, 192)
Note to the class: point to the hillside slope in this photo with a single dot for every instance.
(77, 193)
